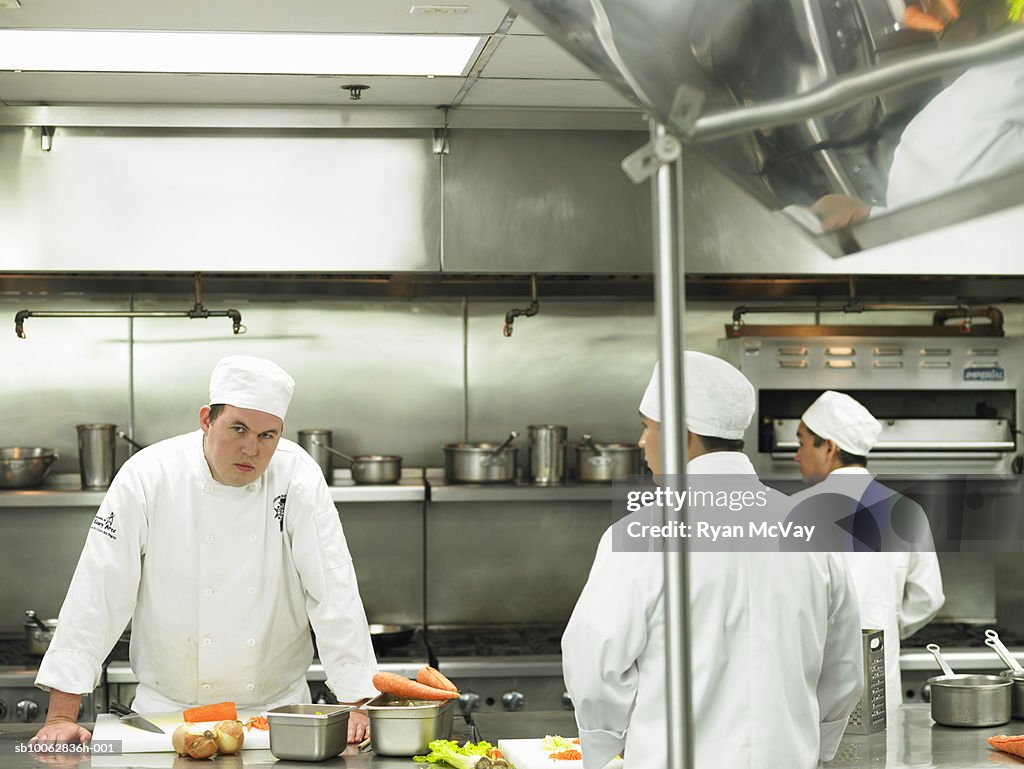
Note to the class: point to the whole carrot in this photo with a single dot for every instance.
(222, 711)
(400, 686)
(429, 676)
(917, 19)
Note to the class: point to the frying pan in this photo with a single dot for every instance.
(384, 637)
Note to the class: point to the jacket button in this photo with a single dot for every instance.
(209, 539)
(252, 591)
(250, 687)
(208, 592)
(252, 537)
(251, 642)
(207, 642)
(206, 687)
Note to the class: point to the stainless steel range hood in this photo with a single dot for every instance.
(795, 99)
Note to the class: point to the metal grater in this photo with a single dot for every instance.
(869, 715)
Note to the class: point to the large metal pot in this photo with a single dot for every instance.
(369, 468)
(968, 700)
(38, 634)
(481, 462)
(22, 467)
(604, 462)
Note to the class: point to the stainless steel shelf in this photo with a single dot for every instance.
(65, 491)
(443, 491)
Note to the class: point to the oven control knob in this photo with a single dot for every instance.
(3, 710)
(513, 700)
(27, 710)
(469, 702)
(567, 701)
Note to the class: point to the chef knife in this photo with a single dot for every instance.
(130, 717)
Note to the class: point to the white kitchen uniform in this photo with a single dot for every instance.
(971, 130)
(775, 654)
(899, 592)
(220, 583)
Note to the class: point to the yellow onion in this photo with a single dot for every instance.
(201, 745)
(178, 739)
(230, 736)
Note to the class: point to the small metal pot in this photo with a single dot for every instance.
(369, 468)
(604, 462)
(481, 462)
(968, 700)
(1015, 673)
(37, 639)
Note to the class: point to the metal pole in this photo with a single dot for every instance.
(670, 298)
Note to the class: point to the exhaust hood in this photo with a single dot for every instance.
(797, 99)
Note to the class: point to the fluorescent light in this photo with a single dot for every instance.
(234, 52)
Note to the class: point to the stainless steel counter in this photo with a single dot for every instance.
(910, 741)
(65, 490)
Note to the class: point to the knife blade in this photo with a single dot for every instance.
(130, 717)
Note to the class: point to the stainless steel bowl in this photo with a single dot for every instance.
(21, 466)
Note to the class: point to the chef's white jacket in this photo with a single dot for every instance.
(776, 660)
(971, 130)
(221, 585)
(899, 592)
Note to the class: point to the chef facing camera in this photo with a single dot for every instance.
(766, 627)
(221, 546)
(892, 556)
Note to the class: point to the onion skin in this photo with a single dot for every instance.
(230, 736)
(203, 745)
(178, 740)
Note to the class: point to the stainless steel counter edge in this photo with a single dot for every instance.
(65, 491)
(122, 673)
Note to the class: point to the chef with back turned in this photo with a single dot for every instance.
(222, 546)
(776, 661)
(892, 554)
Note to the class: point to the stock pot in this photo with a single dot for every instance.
(481, 462)
(604, 462)
(38, 634)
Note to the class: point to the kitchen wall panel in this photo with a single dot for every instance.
(580, 364)
(544, 201)
(121, 200)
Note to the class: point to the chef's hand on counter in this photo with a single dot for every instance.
(358, 726)
(838, 211)
(61, 724)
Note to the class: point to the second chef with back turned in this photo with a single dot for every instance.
(222, 546)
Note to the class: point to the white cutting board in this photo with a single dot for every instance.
(528, 754)
(134, 740)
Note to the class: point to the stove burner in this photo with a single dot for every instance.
(12, 653)
(960, 634)
(495, 641)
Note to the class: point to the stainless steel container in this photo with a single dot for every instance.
(479, 463)
(970, 700)
(547, 454)
(96, 444)
(406, 727)
(1016, 692)
(314, 442)
(613, 460)
(308, 732)
(23, 466)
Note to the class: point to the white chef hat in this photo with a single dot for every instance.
(838, 417)
(251, 383)
(719, 399)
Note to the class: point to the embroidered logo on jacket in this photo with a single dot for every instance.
(104, 525)
(279, 502)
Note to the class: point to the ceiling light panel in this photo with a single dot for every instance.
(234, 52)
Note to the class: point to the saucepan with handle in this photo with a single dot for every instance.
(481, 462)
(1014, 672)
(968, 700)
(368, 468)
(604, 462)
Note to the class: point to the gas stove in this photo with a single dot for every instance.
(502, 668)
(20, 700)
